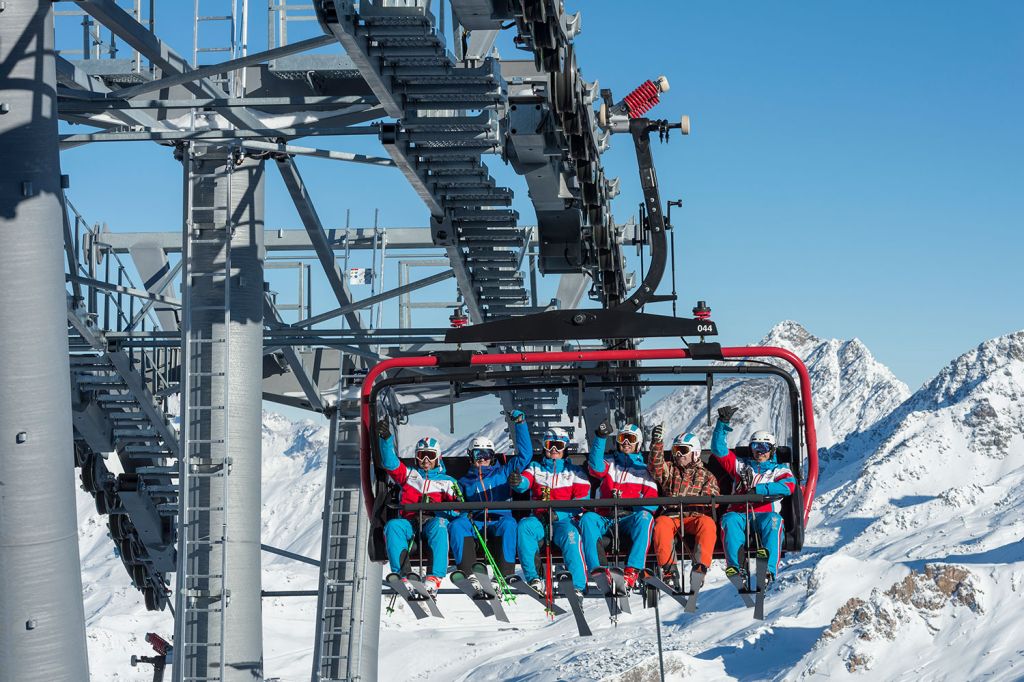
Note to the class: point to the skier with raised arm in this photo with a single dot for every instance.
(760, 475)
(553, 478)
(488, 481)
(683, 474)
(623, 475)
(425, 482)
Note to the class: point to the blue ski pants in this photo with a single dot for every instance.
(636, 526)
(398, 535)
(498, 524)
(568, 539)
(767, 525)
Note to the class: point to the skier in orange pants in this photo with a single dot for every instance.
(683, 475)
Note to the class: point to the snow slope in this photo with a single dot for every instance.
(913, 566)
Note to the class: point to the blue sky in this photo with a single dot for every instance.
(853, 166)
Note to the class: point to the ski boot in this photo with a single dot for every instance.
(474, 582)
(631, 576)
(670, 577)
(537, 585)
(432, 583)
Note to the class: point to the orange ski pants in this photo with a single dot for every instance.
(666, 530)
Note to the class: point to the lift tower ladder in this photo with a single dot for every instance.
(223, 40)
(202, 596)
(342, 595)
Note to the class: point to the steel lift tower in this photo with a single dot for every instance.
(42, 621)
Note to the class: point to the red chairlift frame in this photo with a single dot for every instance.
(563, 357)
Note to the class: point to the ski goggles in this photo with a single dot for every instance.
(429, 455)
(682, 449)
(556, 445)
(627, 437)
(760, 447)
(481, 453)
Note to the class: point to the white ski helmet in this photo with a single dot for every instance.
(480, 443)
(687, 439)
(556, 433)
(633, 430)
(763, 438)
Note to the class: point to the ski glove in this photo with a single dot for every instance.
(657, 433)
(517, 416)
(726, 413)
(383, 429)
(515, 479)
(603, 430)
(747, 479)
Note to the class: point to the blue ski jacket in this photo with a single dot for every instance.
(490, 483)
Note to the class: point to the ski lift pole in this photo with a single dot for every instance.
(672, 248)
(657, 627)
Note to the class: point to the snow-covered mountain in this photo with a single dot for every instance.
(851, 392)
(913, 566)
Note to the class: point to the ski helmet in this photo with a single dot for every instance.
(686, 441)
(554, 435)
(762, 442)
(631, 431)
(481, 447)
(428, 444)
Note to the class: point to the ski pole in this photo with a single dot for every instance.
(506, 591)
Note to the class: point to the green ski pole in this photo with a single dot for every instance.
(506, 591)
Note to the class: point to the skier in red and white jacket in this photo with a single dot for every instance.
(426, 482)
(623, 475)
(761, 475)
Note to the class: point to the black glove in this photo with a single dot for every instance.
(657, 433)
(384, 429)
(747, 479)
(603, 430)
(517, 416)
(726, 413)
(514, 479)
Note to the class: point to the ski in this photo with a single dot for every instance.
(520, 587)
(480, 571)
(740, 584)
(480, 599)
(416, 585)
(696, 582)
(566, 587)
(402, 590)
(604, 586)
(761, 565)
(619, 582)
(662, 586)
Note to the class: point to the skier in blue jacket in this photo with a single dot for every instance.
(488, 481)
(760, 475)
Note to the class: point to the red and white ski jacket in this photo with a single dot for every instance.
(417, 485)
(621, 475)
(555, 479)
(769, 478)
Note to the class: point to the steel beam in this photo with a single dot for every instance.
(286, 240)
(224, 67)
(42, 620)
(317, 237)
(249, 131)
(371, 300)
